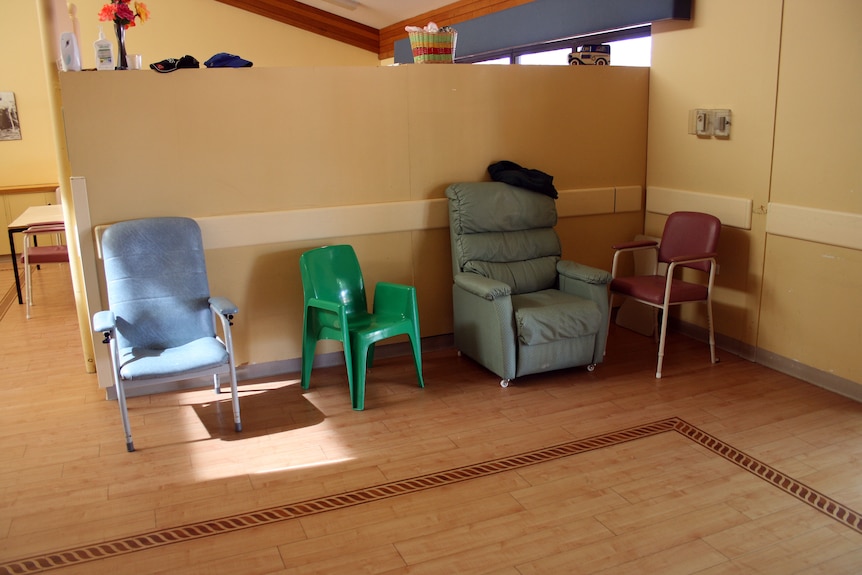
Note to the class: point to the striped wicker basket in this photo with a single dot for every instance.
(433, 47)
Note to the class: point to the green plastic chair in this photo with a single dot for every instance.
(336, 308)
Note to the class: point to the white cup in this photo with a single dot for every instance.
(134, 61)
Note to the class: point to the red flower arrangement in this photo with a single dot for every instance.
(124, 13)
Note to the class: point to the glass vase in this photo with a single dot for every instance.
(121, 46)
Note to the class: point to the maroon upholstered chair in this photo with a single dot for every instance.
(689, 240)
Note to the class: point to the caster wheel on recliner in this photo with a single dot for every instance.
(504, 383)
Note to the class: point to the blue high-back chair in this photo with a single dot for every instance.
(160, 324)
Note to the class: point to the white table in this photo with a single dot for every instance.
(32, 216)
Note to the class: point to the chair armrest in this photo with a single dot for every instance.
(635, 245)
(223, 306)
(691, 258)
(324, 305)
(104, 321)
(387, 288)
(584, 273)
(481, 286)
(628, 247)
(394, 298)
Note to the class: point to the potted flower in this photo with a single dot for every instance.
(123, 13)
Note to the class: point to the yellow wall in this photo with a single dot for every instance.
(274, 161)
(794, 142)
(817, 139)
(30, 160)
(810, 311)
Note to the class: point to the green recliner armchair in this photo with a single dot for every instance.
(518, 308)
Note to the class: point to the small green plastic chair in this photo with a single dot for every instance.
(336, 308)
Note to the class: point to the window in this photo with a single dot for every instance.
(629, 47)
(633, 52)
(558, 57)
(503, 60)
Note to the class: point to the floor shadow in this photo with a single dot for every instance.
(265, 410)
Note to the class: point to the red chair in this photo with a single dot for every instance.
(35, 255)
(689, 240)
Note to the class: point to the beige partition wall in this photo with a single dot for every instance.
(274, 161)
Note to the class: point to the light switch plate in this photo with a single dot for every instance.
(721, 123)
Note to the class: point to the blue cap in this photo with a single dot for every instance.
(225, 60)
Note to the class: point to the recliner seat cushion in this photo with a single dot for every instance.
(551, 315)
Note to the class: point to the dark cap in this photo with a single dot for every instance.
(171, 64)
(225, 60)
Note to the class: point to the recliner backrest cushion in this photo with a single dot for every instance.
(505, 233)
(523, 277)
(476, 207)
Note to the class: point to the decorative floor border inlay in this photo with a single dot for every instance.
(163, 537)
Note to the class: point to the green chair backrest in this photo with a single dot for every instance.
(332, 273)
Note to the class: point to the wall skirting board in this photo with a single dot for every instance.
(810, 375)
(773, 361)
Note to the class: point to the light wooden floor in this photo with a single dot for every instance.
(731, 468)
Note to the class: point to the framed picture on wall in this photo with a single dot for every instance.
(10, 128)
